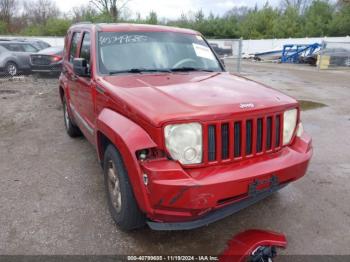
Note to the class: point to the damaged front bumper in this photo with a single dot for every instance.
(183, 199)
(216, 214)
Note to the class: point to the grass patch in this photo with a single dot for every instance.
(309, 105)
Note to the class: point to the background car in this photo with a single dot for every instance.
(14, 57)
(48, 60)
(39, 44)
(221, 51)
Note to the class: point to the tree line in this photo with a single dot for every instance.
(292, 18)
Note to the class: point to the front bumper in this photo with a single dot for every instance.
(189, 198)
(217, 214)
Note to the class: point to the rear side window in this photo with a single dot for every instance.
(13, 47)
(74, 46)
(29, 48)
(85, 48)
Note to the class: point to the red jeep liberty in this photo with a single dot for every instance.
(182, 142)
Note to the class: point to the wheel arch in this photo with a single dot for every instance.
(128, 138)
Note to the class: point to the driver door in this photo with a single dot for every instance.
(85, 99)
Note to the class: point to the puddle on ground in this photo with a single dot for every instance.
(309, 105)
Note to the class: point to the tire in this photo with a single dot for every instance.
(71, 128)
(11, 69)
(121, 201)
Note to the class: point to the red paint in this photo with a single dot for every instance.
(132, 110)
(243, 244)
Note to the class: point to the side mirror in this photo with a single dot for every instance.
(80, 67)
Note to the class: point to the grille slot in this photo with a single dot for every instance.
(278, 129)
(238, 136)
(212, 143)
(225, 141)
(269, 133)
(249, 137)
(243, 138)
(259, 136)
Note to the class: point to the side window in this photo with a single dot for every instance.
(74, 46)
(14, 47)
(85, 48)
(29, 48)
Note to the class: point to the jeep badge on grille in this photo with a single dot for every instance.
(247, 105)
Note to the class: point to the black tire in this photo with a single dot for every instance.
(71, 128)
(11, 69)
(128, 215)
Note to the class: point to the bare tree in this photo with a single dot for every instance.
(343, 2)
(83, 13)
(8, 9)
(299, 5)
(40, 11)
(110, 7)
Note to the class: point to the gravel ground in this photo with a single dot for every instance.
(52, 199)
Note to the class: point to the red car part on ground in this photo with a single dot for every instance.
(253, 245)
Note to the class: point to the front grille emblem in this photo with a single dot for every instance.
(246, 105)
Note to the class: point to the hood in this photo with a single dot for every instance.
(193, 96)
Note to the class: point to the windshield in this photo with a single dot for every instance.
(135, 52)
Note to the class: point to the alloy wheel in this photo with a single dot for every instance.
(114, 186)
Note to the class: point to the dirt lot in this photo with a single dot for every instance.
(52, 199)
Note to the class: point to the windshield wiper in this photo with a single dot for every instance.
(139, 71)
(188, 69)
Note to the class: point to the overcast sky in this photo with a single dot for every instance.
(173, 8)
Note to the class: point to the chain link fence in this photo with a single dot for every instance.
(230, 51)
(334, 55)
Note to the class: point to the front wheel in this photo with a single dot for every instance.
(11, 69)
(121, 201)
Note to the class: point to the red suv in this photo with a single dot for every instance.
(182, 142)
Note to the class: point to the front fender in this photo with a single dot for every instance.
(7, 59)
(128, 138)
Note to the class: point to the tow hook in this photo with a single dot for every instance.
(263, 254)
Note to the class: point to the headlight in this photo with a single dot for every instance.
(289, 123)
(184, 142)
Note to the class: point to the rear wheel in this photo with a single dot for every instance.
(71, 128)
(11, 69)
(121, 201)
